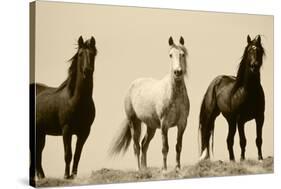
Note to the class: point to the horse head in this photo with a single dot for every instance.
(178, 55)
(86, 56)
(254, 54)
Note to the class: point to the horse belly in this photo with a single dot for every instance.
(145, 111)
(47, 121)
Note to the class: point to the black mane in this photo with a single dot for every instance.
(240, 76)
(72, 70)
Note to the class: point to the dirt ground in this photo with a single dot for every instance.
(200, 169)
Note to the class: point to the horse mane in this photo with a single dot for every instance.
(72, 70)
(72, 73)
(242, 67)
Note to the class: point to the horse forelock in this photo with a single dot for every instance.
(92, 48)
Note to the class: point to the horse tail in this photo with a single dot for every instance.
(208, 112)
(123, 140)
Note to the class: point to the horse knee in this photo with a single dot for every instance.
(258, 141)
(178, 148)
(137, 149)
(243, 143)
(165, 150)
(230, 142)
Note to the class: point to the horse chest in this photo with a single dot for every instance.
(78, 115)
(247, 107)
(173, 112)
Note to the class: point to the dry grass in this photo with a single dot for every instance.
(201, 169)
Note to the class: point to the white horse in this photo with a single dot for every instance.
(159, 104)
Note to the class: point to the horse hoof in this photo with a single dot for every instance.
(204, 156)
(164, 171)
(40, 176)
(143, 168)
(66, 177)
(178, 168)
(73, 176)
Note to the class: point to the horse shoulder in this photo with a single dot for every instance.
(185, 102)
(163, 99)
(260, 101)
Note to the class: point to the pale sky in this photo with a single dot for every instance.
(133, 43)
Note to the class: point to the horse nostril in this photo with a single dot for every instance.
(178, 72)
(254, 67)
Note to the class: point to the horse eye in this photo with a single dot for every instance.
(170, 55)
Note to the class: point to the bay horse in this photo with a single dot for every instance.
(67, 110)
(159, 104)
(239, 99)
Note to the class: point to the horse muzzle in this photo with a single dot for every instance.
(88, 72)
(178, 73)
(254, 68)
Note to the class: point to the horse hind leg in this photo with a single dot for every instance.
(135, 128)
(40, 144)
(230, 138)
(150, 132)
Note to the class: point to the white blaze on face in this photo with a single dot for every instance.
(177, 58)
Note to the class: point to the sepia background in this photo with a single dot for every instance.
(133, 43)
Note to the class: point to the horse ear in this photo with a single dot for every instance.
(92, 42)
(249, 39)
(181, 41)
(171, 42)
(259, 39)
(80, 41)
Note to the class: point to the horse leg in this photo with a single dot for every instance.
(181, 129)
(243, 140)
(259, 124)
(136, 132)
(40, 143)
(165, 145)
(78, 150)
(150, 132)
(67, 136)
(230, 138)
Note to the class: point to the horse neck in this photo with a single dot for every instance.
(176, 87)
(248, 82)
(83, 89)
(251, 81)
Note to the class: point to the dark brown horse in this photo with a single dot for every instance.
(239, 99)
(67, 110)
